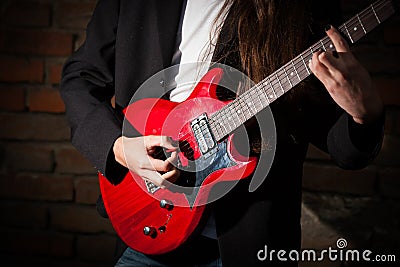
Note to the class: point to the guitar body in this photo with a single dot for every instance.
(132, 209)
(154, 220)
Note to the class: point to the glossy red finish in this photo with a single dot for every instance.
(131, 207)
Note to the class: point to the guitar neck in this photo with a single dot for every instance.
(260, 96)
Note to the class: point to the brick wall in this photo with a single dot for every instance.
(48, 191)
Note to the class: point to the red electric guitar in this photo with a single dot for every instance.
(154, 220)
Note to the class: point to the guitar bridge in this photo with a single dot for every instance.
(151, 188)
(204, 137)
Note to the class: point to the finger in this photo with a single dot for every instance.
(153, 164)
(157, 140)
(173, 159)
(170, 176)
(153, 177)
(319, 69)
(329, 61)
(338, 41)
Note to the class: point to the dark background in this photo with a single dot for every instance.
(48, 191)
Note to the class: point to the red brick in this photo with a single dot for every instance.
(23, 214)
(96, 247)
(45, 100)
(328, 178)
(69, 160)
(34, 42)
(30, 14)
(12, 99)
(54, 73)
(37, 187)
(74, 14)
(87, 190)
(36, 243)
(27, 126)
(76, 218)
(26, 157)
(21, 70)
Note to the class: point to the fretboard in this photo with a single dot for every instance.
(260, 96)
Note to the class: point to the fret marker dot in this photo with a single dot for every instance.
(271, 96)
(331, 46)
(355, 28)
(238, 111)
(291, 74)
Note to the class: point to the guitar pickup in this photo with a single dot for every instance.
(204, 137)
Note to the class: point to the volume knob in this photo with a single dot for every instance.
(166, 204)
(150, 231)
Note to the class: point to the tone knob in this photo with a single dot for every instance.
(162, 229)
(150, 231)
(166, 204)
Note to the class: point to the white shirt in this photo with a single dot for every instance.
(196, 45)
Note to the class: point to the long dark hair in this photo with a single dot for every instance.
(268, 33)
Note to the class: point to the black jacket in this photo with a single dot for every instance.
(129, 41)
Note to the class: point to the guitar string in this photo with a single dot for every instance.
(367, 17)
(325, 41)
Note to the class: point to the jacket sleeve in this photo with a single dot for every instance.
(331, 129)
(87, 86)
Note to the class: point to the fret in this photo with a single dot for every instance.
(240, 110)
(274, 96)
(300, 68)
(254, 100)
(263, 93)
(377, 18)
(305, 65)
(272, 87)
(291, 73)
(250, 104)
(230, 116)
(362, 25)
(245, 109)
(261, 103)
(216, 128)
(384, 12)
(283, 91)
(238, 119)
(226, 131)
(295, 70)
(226, 116)
(287, 77)
(348, 33)
(322, 44)
(257, 100)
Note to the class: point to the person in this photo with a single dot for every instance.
(337, 109)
